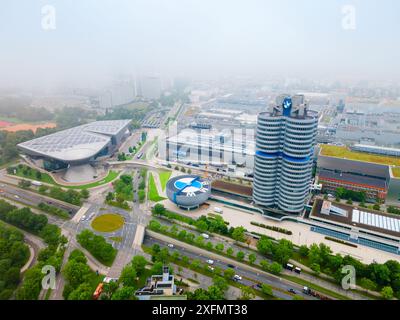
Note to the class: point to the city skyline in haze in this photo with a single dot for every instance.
(89, 41)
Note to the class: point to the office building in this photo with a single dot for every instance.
(211, 147)
(285, 141)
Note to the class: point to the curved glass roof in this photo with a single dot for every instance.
(78, 143)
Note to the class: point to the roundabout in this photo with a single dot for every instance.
(108, 222)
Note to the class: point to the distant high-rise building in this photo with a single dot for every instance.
(150, 87)
(340, 106)
(285, 141)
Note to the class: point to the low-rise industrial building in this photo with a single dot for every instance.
(354, 171)
(374, 188)
(357, 225)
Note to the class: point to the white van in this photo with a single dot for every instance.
(218, 210)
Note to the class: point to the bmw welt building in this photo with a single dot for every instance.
(76, 146)
(285, 140)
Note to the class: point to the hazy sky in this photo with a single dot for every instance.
(97, 38)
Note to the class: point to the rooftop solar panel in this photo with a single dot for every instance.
(78, 142)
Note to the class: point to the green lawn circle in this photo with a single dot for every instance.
(108, 222)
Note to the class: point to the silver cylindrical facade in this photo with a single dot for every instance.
(283, 161)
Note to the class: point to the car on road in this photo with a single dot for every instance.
(210, 268)
(205, 236)
(16, 197)
(209, 261)
(292, 291)
(231, 266)
(170, 245)
(83, 218)
(236, 277)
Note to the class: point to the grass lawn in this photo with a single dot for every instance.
(46, 178)
(116, 239)
(396, 172)
(164, 177)
(31, 174)
(346, 153)
(153, 193)
(108, 222)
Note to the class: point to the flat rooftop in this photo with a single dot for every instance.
(353, 178)
(362, 218)
(346, 153)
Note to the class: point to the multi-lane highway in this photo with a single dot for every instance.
(249, 278)
(33, 199)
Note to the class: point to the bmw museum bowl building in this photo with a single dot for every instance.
(188, 191)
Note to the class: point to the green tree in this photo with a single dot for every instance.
(264, 265)
(252, 258)
(303, 251)
(238, 234)
(128, 276)
(387, 293)
(315, 267)
(247, 293)
(275, 268)
(83, 292)
(240, 255)
(265, 246)
(220, 282)
(283, 251)
(159, 209)
(267, 290)
(229, 273)
(368, 284)
(219, 247)
(157, 268)
(139, 264)
(124, 293)
(229, 251)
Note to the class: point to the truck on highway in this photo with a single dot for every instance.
(315, 294)
(37, 183)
